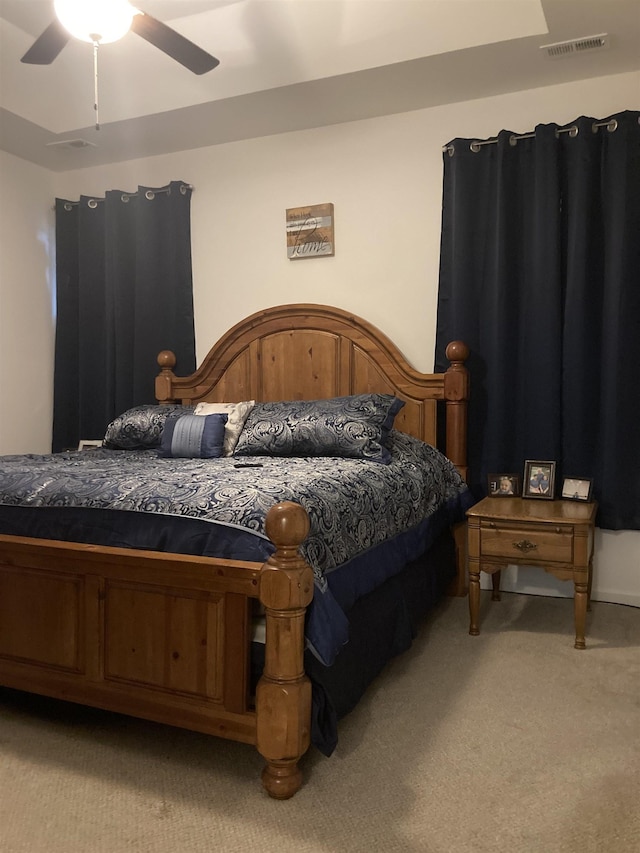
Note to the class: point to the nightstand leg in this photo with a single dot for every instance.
(580, 611)
(589, 587)
(474, 602)
(495, 583)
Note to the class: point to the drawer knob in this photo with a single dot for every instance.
(525, 546)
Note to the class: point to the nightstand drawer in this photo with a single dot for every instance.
(539, 542)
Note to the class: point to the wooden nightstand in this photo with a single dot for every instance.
(556, 535)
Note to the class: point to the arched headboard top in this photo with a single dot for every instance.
(307, 352)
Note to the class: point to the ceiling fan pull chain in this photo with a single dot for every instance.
(95, 82)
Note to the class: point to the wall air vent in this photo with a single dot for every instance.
(71, 143)
(573, 46)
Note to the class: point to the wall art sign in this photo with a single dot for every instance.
(310, 232)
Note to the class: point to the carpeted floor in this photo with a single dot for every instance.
(510, 742)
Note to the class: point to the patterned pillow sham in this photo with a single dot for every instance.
(237, 415)
(193, 437)
(357, 427)
(141, 427)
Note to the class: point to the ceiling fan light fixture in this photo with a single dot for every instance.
(101, 21)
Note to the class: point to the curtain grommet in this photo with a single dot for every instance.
(92, 203)
(475, 147)
(611, 125)
(150, 195)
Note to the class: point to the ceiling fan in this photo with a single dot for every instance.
(75, 18)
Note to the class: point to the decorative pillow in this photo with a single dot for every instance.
(355, 427)
(141, 427)
(193, 437)
(237, 415)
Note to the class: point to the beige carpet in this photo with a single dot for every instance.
(511, 741)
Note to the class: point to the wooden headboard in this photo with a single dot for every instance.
(310, 352)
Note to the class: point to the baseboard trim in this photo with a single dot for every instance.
(563, 590)
(616, 598)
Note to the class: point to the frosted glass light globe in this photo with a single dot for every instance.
(103, 21)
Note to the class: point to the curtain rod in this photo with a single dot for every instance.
(475, 146)
(149, 194)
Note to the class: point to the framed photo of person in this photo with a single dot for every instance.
(503, 485)
(577, 489)
(538, 480)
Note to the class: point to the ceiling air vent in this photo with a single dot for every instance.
(71, 143)
(573, 46)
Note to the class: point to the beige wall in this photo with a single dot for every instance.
(26, 300)
(384, 177)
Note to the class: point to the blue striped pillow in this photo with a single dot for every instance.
(193, 437)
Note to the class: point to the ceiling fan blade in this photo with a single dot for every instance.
(173, 44)
(48, 45)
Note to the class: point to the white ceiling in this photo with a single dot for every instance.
(288, 65)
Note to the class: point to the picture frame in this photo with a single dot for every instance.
(89, 444)
(503, 485)
(310, 231)
(538, 480)
(577, 489)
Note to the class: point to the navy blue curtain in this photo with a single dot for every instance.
(123, 293)
(540, 276)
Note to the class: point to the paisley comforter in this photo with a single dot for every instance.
(357, 509)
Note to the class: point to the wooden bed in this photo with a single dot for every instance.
(166, 637)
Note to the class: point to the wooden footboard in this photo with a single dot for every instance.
(165, 637)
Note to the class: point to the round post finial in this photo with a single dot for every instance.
(457, 351)
(287, 525)
(166, 359)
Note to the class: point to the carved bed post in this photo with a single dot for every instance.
(456, 394)
(167, 361)
(283, 698)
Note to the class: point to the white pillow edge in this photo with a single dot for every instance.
(237, 415)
